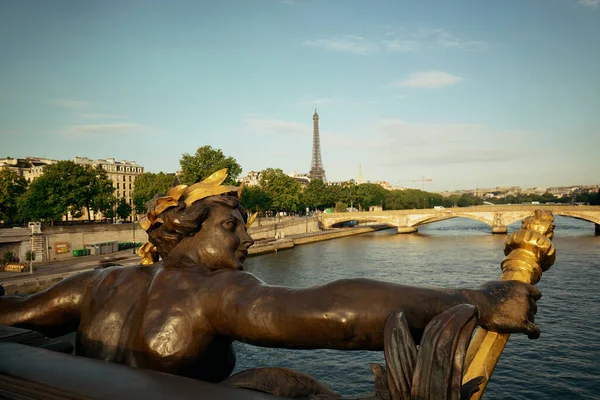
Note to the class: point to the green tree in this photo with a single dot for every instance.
(371, 194)
(42, 202)
(284, 190)
(109, 213)
(595, 198)
(12, 186)
(348, 193)
(67, 186)
(394, 200)
(204, 162)
(123, 209)
(148, 185)
(99, 196)
(256, 199)
(467, 200)
(316, 195)
(450, 201)
(340, 206)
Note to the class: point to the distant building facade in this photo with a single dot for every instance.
(121, 173)
(28, 167)
(252, 179)
(384, 184)
(303, 179)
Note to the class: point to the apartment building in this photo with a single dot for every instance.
(122, 173)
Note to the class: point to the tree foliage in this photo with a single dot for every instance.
(67, 186)
(123, 209)
(204, 162)
(42, 201)
(148, 185)
(256, 199)
(520, 198)
(99, 196)
(370, 194)
(284, 190)
(12, 186)
(316, 195)
(340, 206)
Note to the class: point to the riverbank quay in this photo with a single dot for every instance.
(49, 273)
(273, 245)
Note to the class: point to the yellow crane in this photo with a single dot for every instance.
(422, 180)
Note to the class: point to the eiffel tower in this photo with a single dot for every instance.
(316, 169)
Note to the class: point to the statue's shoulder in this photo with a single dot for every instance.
(228, 279)
(119, 279)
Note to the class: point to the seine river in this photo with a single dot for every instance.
(564, 363)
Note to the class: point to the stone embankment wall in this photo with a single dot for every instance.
(51, 240)
(267, 230)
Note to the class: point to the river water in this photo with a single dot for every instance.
(564, 363)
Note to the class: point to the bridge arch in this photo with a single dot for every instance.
(498, 217)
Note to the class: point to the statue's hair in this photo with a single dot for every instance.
(182, 221)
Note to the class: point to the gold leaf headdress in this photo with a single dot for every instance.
(211, 186)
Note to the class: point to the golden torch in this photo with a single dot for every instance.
(529, 252)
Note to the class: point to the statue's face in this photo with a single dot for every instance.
(222, 242)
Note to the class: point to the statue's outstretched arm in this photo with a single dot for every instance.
(351, 313)
(54, 311)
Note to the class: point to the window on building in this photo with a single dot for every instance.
(129, 178)
(118, 186)
(118, 194)
(130, 186)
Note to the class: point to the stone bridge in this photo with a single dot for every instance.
(498, 217)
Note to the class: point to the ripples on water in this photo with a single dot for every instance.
(564, 363)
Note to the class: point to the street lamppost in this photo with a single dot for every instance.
(133, 226)
(31, 253)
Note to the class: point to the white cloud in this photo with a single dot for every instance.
(429, 80)
(275, 126)
(441, 38)
(345, 44)
(106, 129)
(316, 102)
(102, 116)
(71, 104)
(401, 96)
(393, 41)
(400, 46)
(589, 3)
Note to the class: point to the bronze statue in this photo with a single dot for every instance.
(181, 314)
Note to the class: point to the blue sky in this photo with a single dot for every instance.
(467, 93)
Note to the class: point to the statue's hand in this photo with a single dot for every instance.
(509, 307)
